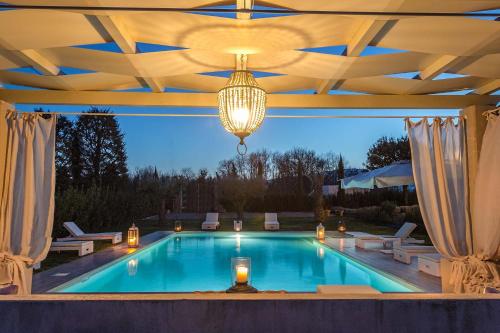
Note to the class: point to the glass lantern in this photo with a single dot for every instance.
(341, 227)
(133, 236)
(238, 225)
(241, 276)
(320, 232)
(178, 226)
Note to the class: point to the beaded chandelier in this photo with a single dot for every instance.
(242, 105)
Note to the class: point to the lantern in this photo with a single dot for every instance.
(320, 232)
(238, 225)
(242, 105)
(133, 236)
(241, 276)
(178, 226)
(341, 227)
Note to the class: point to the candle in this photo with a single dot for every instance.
(241, 274)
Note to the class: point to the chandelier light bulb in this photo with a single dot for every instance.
(242, 105)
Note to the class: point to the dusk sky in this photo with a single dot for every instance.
(175, 143)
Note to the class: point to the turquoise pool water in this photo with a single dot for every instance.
(188, 262)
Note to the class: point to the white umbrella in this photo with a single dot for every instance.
(396, 174)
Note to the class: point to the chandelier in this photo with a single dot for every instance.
(242, 106)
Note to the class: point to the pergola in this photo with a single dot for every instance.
(423, 37)
(291, 47)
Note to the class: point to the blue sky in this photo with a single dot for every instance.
(175, 143)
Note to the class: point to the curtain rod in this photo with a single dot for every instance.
(211, 115)
(247, 11)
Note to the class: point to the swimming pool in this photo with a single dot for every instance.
(188, 262)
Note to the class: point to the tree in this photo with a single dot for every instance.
(65, 152)
(340, 175)
(102, 151)
(387, 151)
(319, 213)
(331, 160)
(235, 192)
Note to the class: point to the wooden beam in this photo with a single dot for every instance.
(154, 84)
(31, 58)
(475, 124)
(447, 62)
(116, 29)
(273, 100)
(365, 33)
(489, 87)
(439, 66)
(325, 86)
(244, 4)
(37, 61)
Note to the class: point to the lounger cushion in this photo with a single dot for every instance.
(69, 243)
(346, 289)
(270, 217)
(435, 257)
(73, 229)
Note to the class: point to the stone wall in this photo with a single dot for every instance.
(250, 315)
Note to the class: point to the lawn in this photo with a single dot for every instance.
(256, 224)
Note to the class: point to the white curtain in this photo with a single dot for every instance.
(27, 182)
(483, 267)
(441, 180)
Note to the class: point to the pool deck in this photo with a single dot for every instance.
(51, 278)
(384, 262)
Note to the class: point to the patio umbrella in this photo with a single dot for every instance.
(396, 174)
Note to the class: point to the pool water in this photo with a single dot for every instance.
(189, 262)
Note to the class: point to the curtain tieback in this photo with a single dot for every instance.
(471, 274)
(12, 270)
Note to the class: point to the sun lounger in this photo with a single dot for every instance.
(346, 289)
(77, 234)
(430, 263)
(405, 253)
(83, 247)
(271, 221)
(369, 241)
(211, 222)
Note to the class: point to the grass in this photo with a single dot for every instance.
(256, 224)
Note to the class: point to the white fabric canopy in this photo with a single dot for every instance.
(396, 174)
(27, 174)
(486, 219)
(440, 172)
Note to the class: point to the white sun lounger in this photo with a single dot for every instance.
(430, 263)
(211, 222)
(83, 247)
(77, 234)
(271, 221)
(369, 241)
(346, 289)
(405, 253)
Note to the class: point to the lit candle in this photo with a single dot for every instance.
(241, 274)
